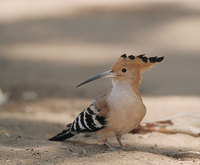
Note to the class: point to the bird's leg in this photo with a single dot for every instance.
(119, 141)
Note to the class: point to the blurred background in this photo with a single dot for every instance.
(48, 47)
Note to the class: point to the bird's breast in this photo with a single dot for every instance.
(126, 109)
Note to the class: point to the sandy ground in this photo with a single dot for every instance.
(47, 49)
(26, 126)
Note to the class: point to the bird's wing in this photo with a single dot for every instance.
(92, 118)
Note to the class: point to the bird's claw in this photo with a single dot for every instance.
(113, 148)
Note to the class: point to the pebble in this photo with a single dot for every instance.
(84, 151)
(7, 134)
(3, 97)
(75, 154)
(29, 95)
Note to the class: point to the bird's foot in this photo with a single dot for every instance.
(111, 147)
(122, 148)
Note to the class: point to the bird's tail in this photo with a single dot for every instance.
(65, 134)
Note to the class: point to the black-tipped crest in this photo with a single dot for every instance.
(153, 59)
(141, 55)
(144, 59)
(131, 57)
(123, 56)
(160, 59)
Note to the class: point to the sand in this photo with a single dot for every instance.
(26, 126)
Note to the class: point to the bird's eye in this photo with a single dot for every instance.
(124, 70)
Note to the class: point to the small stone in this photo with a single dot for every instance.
(3, 97)
(29, 96)
(7, 134)
(75, 154)
(84, 151)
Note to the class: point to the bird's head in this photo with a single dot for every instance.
(127, 68)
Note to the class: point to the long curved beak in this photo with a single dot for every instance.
(106, 74)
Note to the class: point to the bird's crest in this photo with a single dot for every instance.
(141, 61)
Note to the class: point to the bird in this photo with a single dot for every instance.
(117, 111)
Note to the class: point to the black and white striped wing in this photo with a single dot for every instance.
(88, 121)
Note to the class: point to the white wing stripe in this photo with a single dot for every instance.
(96, 122)
(92, 107)
(74, 124)
(79, 122)
(85, 121)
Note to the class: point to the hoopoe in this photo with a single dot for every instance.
(118, 111)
